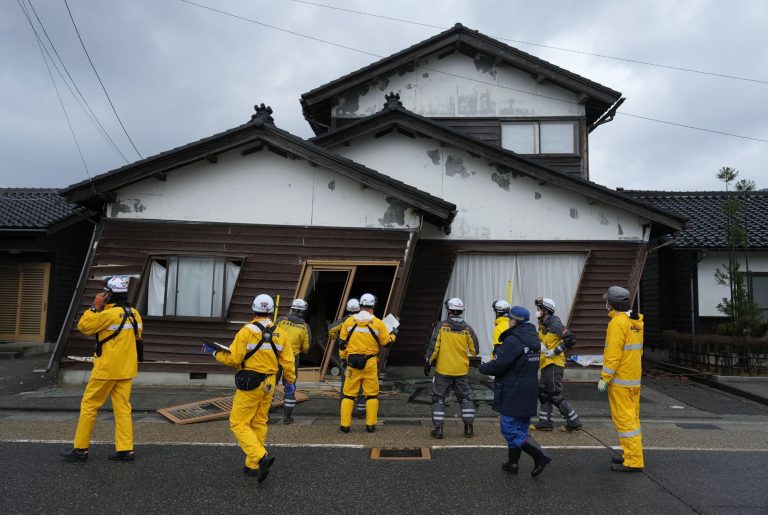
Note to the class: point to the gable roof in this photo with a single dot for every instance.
(395, 116)
(32, 208)
(597, 98)
(259, 133)
(704, 209)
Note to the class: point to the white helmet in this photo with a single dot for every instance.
(117, 284)
(367, 300)
(263, 304)
(299, 305)
(501, 306)
(353, 305)
(547, 304)
(454, 304)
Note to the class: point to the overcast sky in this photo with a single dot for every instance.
(177, 73)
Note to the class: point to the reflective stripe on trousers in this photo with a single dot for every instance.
(625, 414)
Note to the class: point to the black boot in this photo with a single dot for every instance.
(469, 430)
(540, 460)
(616, 459)
(513, 455)
(370, 428)
(75, 455)
(287, 418)
(123, 456)
(344, 429)
(264, 464)
(437, 432)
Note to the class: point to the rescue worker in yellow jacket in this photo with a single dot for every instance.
(453, 340)
(334, 335)
(621, 377)
(501, 321)
(555, 340)
(118, 328)
(362, 335)
(296, 334)
(256, 352)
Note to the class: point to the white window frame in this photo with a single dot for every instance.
(536, 124)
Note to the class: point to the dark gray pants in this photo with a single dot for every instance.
(441, 386)
(551, 394)
(290, 400)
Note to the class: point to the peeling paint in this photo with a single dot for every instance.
(455, 165)
(395, 213)
(507, 171)
(408, 68)
(349, 104)
(332, 185)
(129, 205)
(574, 213)
(603, 219)
(484, 64)
(409, 86)
(425, 75)
(536, 195)
(383, 83)
(621, 231)
(434, 155)
(477, 104)
(502, 180)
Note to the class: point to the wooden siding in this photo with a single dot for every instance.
(608, 264)
(273, 262)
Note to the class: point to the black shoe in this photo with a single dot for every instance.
(263, 470)
(469, 430)
(123, 456)
(344, 429)
(542, 426)
(75, 455)
(248, 471)
(287, 420)
(618, 460)
(370, 429)
(540, 460)
(623, 468)
(513, 454)
(570, 429)
(437, 433)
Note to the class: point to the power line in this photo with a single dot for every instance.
(541, 45)
(93, 116)
(100, 82)
(313, 38)
(61, 102)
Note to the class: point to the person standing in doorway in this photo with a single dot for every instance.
(296, 334)
(453, 340)
(621, 376)
(118, 328)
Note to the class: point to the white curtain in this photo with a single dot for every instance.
(156, 290)
(233, 271)
(481, 279)
(195, 286)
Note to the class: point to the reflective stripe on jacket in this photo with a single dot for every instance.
(118, 358)
(264, 360)
(453, 340)
(369, 333)
(622, 357)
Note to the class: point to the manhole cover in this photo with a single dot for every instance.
(693, 425)
(390, 422)
(400, 453)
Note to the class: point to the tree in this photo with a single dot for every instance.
(744, 314)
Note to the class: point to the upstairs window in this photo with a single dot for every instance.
(190, 286)
(759, 284)
(544, 137)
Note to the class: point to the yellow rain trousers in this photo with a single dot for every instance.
(248, 420)
(625, 414)
(368, 378)
(96, 394)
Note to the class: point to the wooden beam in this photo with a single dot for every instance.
(540, 78)
(252, 150)
(212, 158)
(583, 98)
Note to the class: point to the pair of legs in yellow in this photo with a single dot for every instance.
(368, 378)
(625, 414)
(248, 420)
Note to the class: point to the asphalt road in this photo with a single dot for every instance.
(203, 478)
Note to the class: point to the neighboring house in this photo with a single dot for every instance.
(678, 289)
(396, 196)
(43, 243)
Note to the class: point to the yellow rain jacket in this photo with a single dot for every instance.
(295, 332)
(622, 357)
(364, 333)
(264, 360)
(550, 336)
(449, 348)
(500, 325)
(118, 358)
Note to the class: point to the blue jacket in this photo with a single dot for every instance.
(515, 366)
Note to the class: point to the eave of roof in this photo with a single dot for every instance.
(436, 210)
(599, 97)
(398, 115)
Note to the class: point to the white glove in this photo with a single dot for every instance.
(550, 353)
(602, 386)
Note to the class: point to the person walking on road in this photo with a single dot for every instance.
(296, 334)
(256, 352)
(118, 328)
(555, 340)
(621, 377)
(453, 340)
(515, 366)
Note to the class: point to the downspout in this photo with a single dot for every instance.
(67, 325)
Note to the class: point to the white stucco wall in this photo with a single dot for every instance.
(493, 204)
(711, 293)
(261, 188)
(489, 90)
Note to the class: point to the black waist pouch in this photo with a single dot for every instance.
(249, 379)
(358, 361)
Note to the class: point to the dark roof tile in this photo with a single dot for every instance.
(25, 208)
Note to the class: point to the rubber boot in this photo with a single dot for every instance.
(617, 460)
(370, 428)
(287, 418)
(264, 464)
(469, 430)
(542, 425)
(123, 456)
(75, 455)
(437, 432)
(540, 460)
(513, 456)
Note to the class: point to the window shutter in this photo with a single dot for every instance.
(24, 290)
(10, 277)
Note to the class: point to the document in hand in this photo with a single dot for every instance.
(391, 322)
(219, 347)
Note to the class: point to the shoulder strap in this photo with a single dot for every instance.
(100, 343)
(258, 346)
(343, 343)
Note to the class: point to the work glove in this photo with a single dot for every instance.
(550, 353)
(99, 300)
(602, 386)
(290, 388)
(209, 349)
(394, 331)
(427, 369)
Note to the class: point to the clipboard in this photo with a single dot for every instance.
(219, 347)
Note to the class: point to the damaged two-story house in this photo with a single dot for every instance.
(456, 167)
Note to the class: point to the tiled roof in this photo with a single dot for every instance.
(32, 208)
(704, 210)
